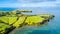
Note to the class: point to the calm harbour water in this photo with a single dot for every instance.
(53, 27)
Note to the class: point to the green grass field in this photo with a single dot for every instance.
(7, 21)
(3, 28)
(19, 21)
(34, 19)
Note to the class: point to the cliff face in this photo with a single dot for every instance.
(11, 19)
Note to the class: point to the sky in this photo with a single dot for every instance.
(29, 3)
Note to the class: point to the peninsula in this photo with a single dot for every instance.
(16, 19)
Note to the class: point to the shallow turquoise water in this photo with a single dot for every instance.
(53, 27)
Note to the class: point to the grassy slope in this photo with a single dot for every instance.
(8, 20)
(34, 19)
(19, 21)
(12, 20)
(3, 28)
(4, 19)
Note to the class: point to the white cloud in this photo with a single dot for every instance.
(39, 4)
(33, 1)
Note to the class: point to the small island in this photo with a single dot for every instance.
(16, 19)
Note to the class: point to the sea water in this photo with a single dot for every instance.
(53, 26)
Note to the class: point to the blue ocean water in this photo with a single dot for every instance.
(7, 9)
(53, 27)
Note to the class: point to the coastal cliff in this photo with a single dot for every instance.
(15, 19)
